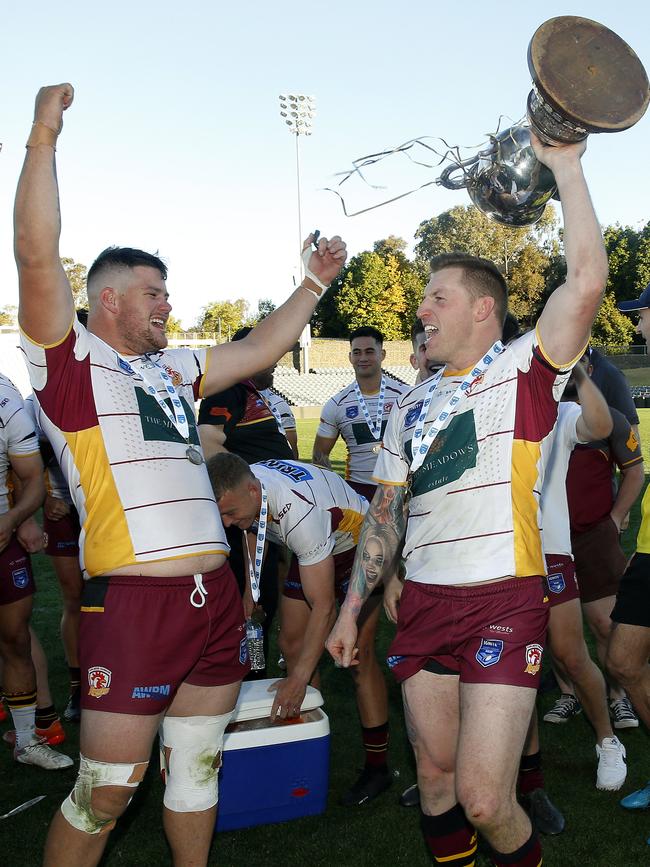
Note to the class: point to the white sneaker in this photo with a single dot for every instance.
(40, 754)
(612, 769)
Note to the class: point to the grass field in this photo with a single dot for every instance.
(598, 833)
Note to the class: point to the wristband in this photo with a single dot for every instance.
(306, 256)
(42, 134)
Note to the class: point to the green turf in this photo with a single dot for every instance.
(598, 834)
(638, 375)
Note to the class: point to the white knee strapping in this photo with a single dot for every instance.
(190, 754)
(77, 807)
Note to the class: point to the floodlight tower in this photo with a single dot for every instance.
(298, 110)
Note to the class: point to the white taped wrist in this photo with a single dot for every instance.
(306, 256)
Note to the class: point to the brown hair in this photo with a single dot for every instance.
(481, 277)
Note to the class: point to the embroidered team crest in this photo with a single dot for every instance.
(556, 583)
(388, 406)
(489, 652)
(533, 658)
(413, 413)
(99, 680)
(352, 411)
(20, 578)
(243, 651)
(174, 375)
(476, 381)
(394, 660)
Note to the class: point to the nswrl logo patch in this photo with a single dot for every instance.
(489, 652)
(556, 583)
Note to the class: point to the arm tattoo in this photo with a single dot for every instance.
(321, 459)
(380, 544)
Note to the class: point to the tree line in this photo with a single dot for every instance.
(383, 286)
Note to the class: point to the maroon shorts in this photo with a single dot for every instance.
(16, 577)
(599, 559)
(561, 581)
(342, 571)
(63, 535)
(140, 638)
(366, 490)
(493, 633)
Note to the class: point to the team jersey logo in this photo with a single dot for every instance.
(556, 582)
(413, 413)
(156, 426)
(158, 692)
(174, 375)
(99, 680)
(489, 652)
(293, 471)
(243, 651)
(362, 434)
(20, 578)
(452, 452)
(394, 660)
(533, 658)
(352, 412)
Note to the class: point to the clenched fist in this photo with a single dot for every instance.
(51, 102)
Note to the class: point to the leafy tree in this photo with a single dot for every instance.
(9, 315)
(174, 325)
(76, 274)
(264, 307)
(223, 317)
(611, 326)
(373, 294)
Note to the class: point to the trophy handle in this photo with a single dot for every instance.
(445, 179)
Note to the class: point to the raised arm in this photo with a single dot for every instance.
(386, 515)
(279, 331)
(566, 321)
(46, 308)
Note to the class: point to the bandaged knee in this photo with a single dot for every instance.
(190, 758)
(78, 808)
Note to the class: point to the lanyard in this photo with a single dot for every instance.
(420, 453)
(266, 397)
(176, 414)
(374, 427)
(254, 570)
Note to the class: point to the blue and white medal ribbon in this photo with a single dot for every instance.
(373, 426)
(421, 442)
(255, 569)
(176, 414)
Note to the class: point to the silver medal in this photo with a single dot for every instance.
(193, 455)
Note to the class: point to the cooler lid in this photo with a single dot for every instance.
(255, 700)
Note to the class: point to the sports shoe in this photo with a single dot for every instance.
(639, 800)
(72, 712)
(622, 714)
(543, 813)
(566, 707)
(371, 782)
(410, 797)
(52, 735)
(612, 769)
(43, 756)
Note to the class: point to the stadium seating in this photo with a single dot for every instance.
(317, 386)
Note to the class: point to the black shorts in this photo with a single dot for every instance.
(633, 599)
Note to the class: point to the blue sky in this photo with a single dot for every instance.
(175, 143)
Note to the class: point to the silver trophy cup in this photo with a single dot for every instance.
(585, 79)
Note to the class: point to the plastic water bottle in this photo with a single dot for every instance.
(255, 641)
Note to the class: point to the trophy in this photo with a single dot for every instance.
(585, 79)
